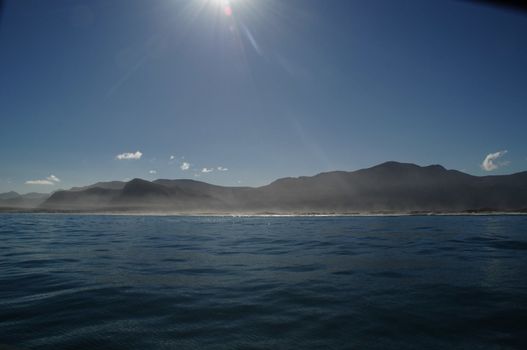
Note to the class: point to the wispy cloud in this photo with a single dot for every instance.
(53, 178)
(172, 159)
(153, 172)
(49, 181)
(185, 166)
(220, 168)
(39, 182)
(207, 170)
(126, 156)
(491, 161)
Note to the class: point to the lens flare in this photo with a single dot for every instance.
(225, 7)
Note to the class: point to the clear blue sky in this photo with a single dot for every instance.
(266, 89)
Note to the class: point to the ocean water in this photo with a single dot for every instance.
(162, 282)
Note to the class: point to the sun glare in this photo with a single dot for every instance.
(225, 6)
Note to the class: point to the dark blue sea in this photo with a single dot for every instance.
(164, 282)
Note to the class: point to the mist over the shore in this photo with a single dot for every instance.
(390, 187)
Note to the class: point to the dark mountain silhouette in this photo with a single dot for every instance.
(110, 185)
(27, 201)
(388, 187)
(8, 195)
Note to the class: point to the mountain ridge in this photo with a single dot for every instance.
(386, 187)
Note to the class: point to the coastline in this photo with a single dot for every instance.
(263, 213)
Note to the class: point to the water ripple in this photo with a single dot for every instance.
(121, 282)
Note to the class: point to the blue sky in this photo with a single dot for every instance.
(263, 89)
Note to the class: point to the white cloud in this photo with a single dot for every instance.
(185, 166)
(39, 182)
(48, 181)
(153, 172)
(220, 168)
(207, 170)
(53, 178)
(136, 155)
(172, 157)
(490, 162)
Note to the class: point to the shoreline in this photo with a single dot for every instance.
(259, 214)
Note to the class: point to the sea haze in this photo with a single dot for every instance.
(163, 282)
(390, 187)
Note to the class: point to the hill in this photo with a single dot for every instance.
(388, 187)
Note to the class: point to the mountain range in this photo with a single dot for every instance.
(390, 187)
(22, 201)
